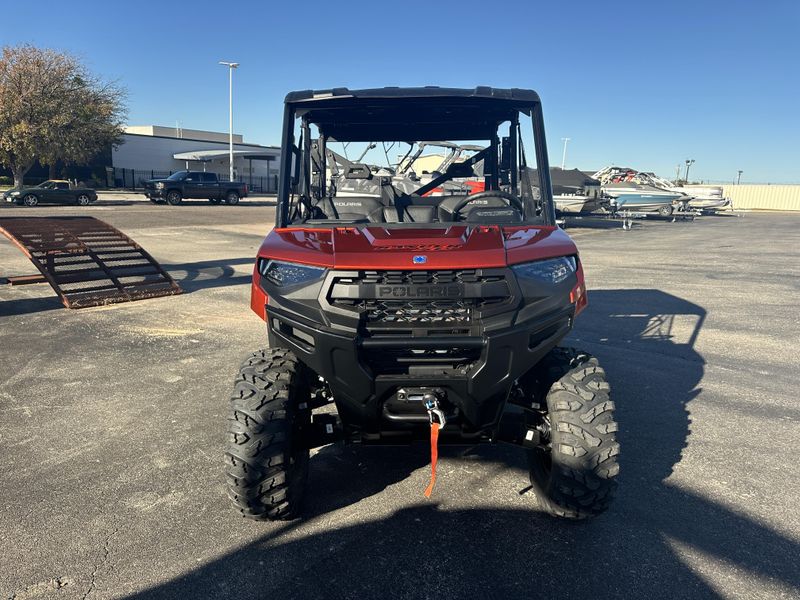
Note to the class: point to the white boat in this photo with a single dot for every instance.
(578, 203)
(705, 198)
(636, 191)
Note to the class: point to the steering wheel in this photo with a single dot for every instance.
(512, 200)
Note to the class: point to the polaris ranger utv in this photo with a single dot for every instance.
(422, 314)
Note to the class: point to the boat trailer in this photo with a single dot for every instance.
(86, 261)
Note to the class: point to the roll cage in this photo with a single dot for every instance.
(410, 115)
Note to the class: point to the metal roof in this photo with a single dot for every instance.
(209, 155)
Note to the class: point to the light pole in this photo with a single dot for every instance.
(231, 66)
(678, 174)
(689, 163)
(564, 155)
(738, 176)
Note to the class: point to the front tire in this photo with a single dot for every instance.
(267, 459)
(30, 200)
(174, 198)
(574, 474)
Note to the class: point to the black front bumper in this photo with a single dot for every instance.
(475, 364)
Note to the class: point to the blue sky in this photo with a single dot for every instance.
(636, 83)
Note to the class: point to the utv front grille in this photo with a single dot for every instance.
(417, 312)
(448, 301)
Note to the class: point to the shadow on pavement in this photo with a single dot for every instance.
(210, 273)
(25, 306)
(190, 276)
(645, 339)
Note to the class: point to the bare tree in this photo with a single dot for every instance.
(52, 109)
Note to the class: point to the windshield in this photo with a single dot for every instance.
(177, 176)
(420, 182)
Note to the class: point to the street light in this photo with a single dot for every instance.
(231, 66)
(564, 155)
(689, 163)
(738, 176)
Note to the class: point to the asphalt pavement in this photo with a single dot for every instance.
(112, 424)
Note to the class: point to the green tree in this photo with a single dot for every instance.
(53, 109)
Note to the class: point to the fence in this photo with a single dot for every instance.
(133, 179)
(768, 197)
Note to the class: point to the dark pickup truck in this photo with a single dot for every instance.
(194, 184)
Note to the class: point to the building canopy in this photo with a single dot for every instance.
(210, 155)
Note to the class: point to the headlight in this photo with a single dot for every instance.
(553, 270)
(284, 273)
(15, 193)
(160, 185)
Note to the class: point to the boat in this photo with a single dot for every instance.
(632, 190)
(705, 198)
(574, 192)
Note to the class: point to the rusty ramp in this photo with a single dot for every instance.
(87, 261)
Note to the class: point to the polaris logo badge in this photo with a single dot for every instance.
(419, 291)
(419, 259)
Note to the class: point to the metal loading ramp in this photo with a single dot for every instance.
(87, 261)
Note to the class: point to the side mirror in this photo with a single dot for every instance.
(295, 166)
(504, 176)
(505, 156)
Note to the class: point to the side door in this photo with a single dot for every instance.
(211, 185)
(193, 185)
(61, 193)
(44, 192)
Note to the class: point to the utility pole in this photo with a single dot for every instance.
(231, 66)
(678, 173)
(564, 155)
(689, 163)
(738, 176)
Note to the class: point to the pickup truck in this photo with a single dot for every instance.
(194, 184)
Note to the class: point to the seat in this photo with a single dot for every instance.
(409, 214)
(447, 205)
(355, 208)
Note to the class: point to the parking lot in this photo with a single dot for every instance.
(113, 423)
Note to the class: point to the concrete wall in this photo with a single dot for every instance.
(144, 152)
(772, 197)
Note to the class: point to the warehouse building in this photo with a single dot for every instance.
(149, 151)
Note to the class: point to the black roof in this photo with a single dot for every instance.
(429, 91)
(422, 113)
(568, 178)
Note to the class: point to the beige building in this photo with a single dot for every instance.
(180, 133)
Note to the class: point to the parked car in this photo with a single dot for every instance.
(52, 191)
(194, 184)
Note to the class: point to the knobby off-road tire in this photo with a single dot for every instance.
(575, 476)
(267, 461)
